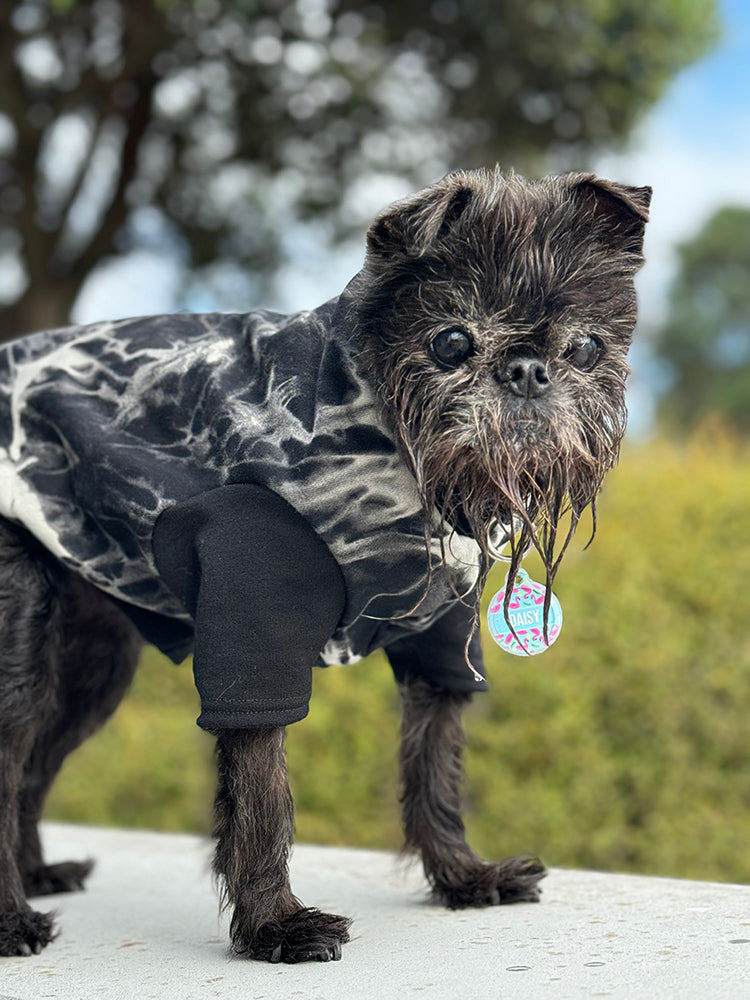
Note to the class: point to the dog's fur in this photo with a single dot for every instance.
(523, 429)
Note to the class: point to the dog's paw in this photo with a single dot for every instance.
(25, 933)
(67, 876)
(305, 936)
(489, 883)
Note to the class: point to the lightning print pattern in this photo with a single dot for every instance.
(103, 427)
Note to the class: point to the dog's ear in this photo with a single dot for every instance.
(410, 226)
(621, 209)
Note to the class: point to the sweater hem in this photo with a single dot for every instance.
(261, 718)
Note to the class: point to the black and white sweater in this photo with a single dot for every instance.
(230, 479)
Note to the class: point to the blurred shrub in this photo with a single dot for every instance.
(624, 747)
(150, 766)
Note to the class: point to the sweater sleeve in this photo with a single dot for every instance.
(438, 654)
(265, 594)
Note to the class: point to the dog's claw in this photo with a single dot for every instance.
(332, 954)
(304, 936)
(493, 883)
(25, 933)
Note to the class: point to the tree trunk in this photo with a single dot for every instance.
(38, 309)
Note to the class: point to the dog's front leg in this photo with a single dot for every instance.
(254, 824)
(432, 743)
(265, 595)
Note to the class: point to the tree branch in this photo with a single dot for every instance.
(116, 214)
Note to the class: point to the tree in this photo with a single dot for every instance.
(232, 119)
(705, 340)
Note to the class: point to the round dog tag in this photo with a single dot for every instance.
(526, 613)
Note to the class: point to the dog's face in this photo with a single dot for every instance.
(498, 313)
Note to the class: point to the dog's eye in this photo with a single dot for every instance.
(584, 353)
(452, 347)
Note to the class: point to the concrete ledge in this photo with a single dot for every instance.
(148, 928)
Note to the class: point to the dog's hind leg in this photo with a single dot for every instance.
(30, 625)
(431, 760)
(98, 654)
(254, 824)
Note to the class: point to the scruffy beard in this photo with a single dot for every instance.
(507, 474)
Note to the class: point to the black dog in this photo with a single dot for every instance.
(279, 491)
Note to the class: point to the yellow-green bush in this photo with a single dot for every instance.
(624, 747)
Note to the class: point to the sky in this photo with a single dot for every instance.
(693, 149)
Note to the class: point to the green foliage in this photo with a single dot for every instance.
(706, 338)
(234, 120)
(624, 747)
(151, 766)
(569, 74)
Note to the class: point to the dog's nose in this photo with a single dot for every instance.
(527, 377)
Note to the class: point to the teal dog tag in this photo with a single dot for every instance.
(526, 613)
